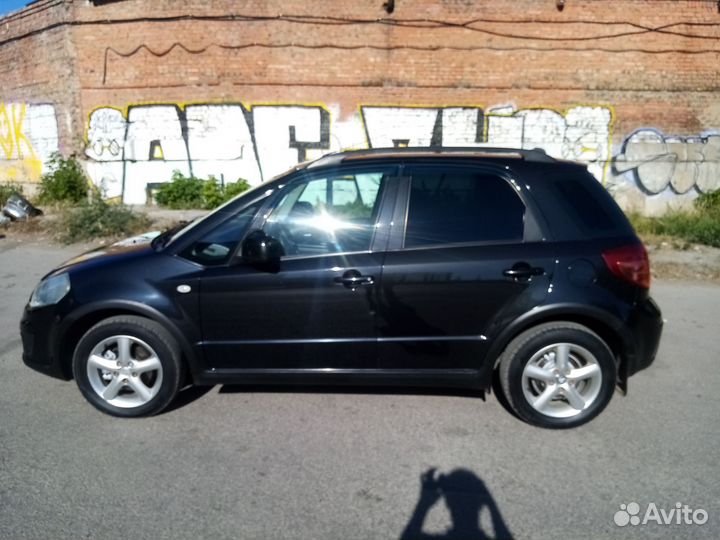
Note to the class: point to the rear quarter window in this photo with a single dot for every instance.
(583, 206)
(577, 206)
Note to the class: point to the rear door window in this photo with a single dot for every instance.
(459, 205)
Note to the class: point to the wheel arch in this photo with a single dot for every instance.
(608, 327)
(85, 318)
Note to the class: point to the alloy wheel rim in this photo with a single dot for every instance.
(124, 371)
(562, 380)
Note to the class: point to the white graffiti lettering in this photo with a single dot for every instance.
(220, 143)
(582, 133)
(105, 148)
(230, 141)
(659, 161)
(283, 134)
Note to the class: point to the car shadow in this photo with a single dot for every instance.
(192, 393)
(186, 396)
(500, 395)
(353, 390)
(467, 499)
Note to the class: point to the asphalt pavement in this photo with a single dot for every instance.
(327, 463)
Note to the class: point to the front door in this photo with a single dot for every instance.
(317, 310)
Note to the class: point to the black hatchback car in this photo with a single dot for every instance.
(444, 267)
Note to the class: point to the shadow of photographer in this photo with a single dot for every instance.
(466, 497)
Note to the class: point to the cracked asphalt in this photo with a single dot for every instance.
(280, 462)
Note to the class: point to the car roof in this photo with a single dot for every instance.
(537, 155)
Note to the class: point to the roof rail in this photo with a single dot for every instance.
(535, 154)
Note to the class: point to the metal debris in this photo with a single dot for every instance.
(18, 207)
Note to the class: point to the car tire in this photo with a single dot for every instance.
(557, 375)
(128, 366)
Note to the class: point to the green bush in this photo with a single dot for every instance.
(97, 219)
(709, 203)
(698, 227)
(212, 193)
(190, 192)
(181, 192)
(8, 189)
(701, 226)
(66, 183)
(235, 189)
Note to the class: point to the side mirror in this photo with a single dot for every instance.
(260, 249)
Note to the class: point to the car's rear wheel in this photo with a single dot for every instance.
(558, 375)
(128, 366)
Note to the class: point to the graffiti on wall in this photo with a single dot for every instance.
(659, 161)
(28, 136)
(147, 143)
(227, 141)
(581, 133)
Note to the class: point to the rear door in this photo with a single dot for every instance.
(470, 259)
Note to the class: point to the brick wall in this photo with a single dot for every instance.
(39, 112)
(246, 88)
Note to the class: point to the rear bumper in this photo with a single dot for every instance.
(645, 325)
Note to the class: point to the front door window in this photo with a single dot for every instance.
(328, 214)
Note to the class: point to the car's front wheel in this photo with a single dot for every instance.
(558, 375)
(128, 366)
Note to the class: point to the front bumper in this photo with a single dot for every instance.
(38, 330)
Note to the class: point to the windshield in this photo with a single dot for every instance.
(251, 194)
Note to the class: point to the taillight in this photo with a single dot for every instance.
(629, 263)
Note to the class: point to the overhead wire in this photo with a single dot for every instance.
(426, 48)
(471, 25)
(425, 23)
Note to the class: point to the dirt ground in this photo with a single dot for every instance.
(678, 260)
(670, 258)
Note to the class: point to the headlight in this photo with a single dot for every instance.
(50, 291)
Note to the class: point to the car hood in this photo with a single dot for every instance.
(129, 248)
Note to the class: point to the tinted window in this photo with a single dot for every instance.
(575, 204)
(217, 246)
(327, 214)
(584, 206)
(454, 206)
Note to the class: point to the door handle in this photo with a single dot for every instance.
(352, 279)
(523, 271)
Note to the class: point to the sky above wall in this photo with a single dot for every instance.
(6, 6)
